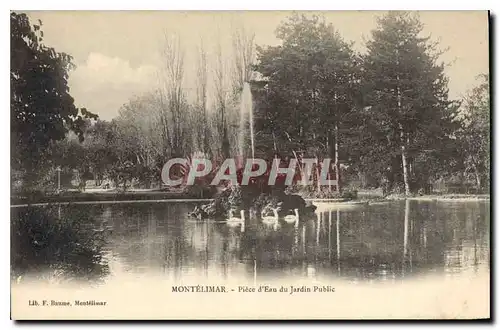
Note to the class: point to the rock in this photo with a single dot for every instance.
(209, 210)
(247, 198)
(198, 213)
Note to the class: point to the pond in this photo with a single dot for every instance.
(390, 241)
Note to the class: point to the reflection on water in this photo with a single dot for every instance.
(384, 242)
(47, 244)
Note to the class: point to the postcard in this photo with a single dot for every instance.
(250, 165)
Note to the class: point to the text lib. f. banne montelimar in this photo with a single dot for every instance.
(66, 303)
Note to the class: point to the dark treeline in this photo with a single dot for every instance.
(383, 115)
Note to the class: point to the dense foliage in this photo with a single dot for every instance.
(383, 115)
(42, 110)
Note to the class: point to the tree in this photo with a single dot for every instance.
(221, 102)
(409, 116)
(42, 110)
(308, 89)
(137, 129)
(474, 134)
(201, 102)
(101, 149)
(173, 102)
(243, 54)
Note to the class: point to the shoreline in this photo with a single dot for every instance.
(445, 197)
(105, 197)
(99, 196)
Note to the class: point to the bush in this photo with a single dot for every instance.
(197, 191)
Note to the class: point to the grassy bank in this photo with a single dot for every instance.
(113, 195)
(98, 196)
(456, 197)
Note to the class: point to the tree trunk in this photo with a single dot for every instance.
(225, 144)
(336, 146)
(405, 164)
(318, 176)
(328, 148)
(274, 145)
(337, 167)
(97, 179)
(225, 140)
(403, 145)
(478, 177)
(298, 162)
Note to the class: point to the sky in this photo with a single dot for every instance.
(117, 53)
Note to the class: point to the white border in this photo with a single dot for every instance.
(253, 5)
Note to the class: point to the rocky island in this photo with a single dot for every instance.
(254, 203)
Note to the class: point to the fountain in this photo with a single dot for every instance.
(258, 201)
(246, 119)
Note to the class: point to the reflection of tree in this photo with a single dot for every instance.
(150, 237)
(368, 241)
(467, 243)
(70, 246)
(266, 250)
(337, 227)
(365, 242)
(410, 236)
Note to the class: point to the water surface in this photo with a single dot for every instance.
(392, 241)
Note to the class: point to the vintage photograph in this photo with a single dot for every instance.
(221, 165)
